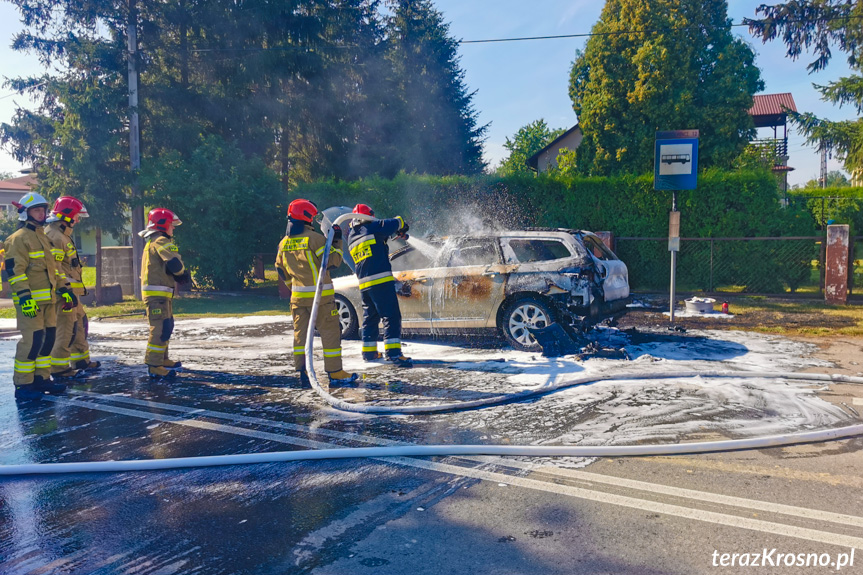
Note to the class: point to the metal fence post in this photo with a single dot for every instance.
(711, 265)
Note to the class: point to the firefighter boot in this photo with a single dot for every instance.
(27, 393)
(304, 378)
(400, 361)
(158, 372)
(372, 356)
(67, 373)
(47, 386)
(171, 364)
(84, 364)
(342, 377)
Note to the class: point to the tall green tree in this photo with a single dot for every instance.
(821, 26)
(661, 65)
(438, 125)
(525, 143)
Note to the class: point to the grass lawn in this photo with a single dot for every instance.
(194, 305)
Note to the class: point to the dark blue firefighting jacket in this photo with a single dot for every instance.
(367, 243)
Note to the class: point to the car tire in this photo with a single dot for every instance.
(348, 318)
(518, 315)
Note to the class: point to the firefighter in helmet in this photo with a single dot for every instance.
(38, 287)
(161, 269)
(368, 248)
(299, 262)
(71, 341)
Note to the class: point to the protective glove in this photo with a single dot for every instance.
(337, 233)
(28, 304)
(184, 278)
(70, 301)
(403, 231)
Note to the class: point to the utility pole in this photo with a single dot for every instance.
(135, 146)
(823, 179)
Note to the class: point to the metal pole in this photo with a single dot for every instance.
(135, 147)
(673, 262)
(711, 265)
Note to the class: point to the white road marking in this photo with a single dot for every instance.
(583, 476)
(571, 491)
(857, 401)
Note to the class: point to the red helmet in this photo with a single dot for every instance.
(363, 209)
(160, 218)
(66, 208)
(302, 210)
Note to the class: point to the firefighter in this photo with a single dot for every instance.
(71, 341)
(368, 248)
(298, 262)
(161, 270)
(38, 286)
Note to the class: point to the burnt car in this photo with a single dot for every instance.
(505, 281)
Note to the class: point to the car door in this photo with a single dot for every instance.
(414, 286)
(471, 285)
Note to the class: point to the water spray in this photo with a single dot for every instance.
(464, 450)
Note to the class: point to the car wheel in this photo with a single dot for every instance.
(522, 313)
(347, 317)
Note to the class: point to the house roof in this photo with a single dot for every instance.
(10, 185)
(28, 180)
(533, 161)
(771, 109)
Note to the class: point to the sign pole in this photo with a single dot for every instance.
(675, 167)
(673, 247)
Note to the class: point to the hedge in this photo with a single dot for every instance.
(726, 204)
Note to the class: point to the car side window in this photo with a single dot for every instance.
(409, 258)
(598, 249)
(473, 253)
(528, 250)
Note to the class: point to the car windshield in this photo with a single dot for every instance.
(536, 250)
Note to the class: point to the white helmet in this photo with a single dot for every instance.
(31, 200)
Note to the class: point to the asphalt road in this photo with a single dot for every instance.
(477, 515)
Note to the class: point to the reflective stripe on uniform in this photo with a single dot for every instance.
(371, 347)
(43, 362)
(76, 284)
(80, 356)
(376, 279)
(25, 366)
(59, 361)
(156, 348)
(41, 294)
(299, 350)
(16, 279)
(36, 254)
(394, 343)
(333, 352)
(308, 291)
(158, 291)
(58, 254)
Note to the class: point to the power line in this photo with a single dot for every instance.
(640, 31)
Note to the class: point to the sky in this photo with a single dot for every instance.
(516, 83)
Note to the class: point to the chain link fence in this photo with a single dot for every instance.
(734, 265)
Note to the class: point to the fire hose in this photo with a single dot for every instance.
(451, 450)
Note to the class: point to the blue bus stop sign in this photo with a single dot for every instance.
(675, 163)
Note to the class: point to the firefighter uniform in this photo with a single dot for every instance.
(160, 267)
(367, 243)
(298, 261)
(34, 278)
(71, 340)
